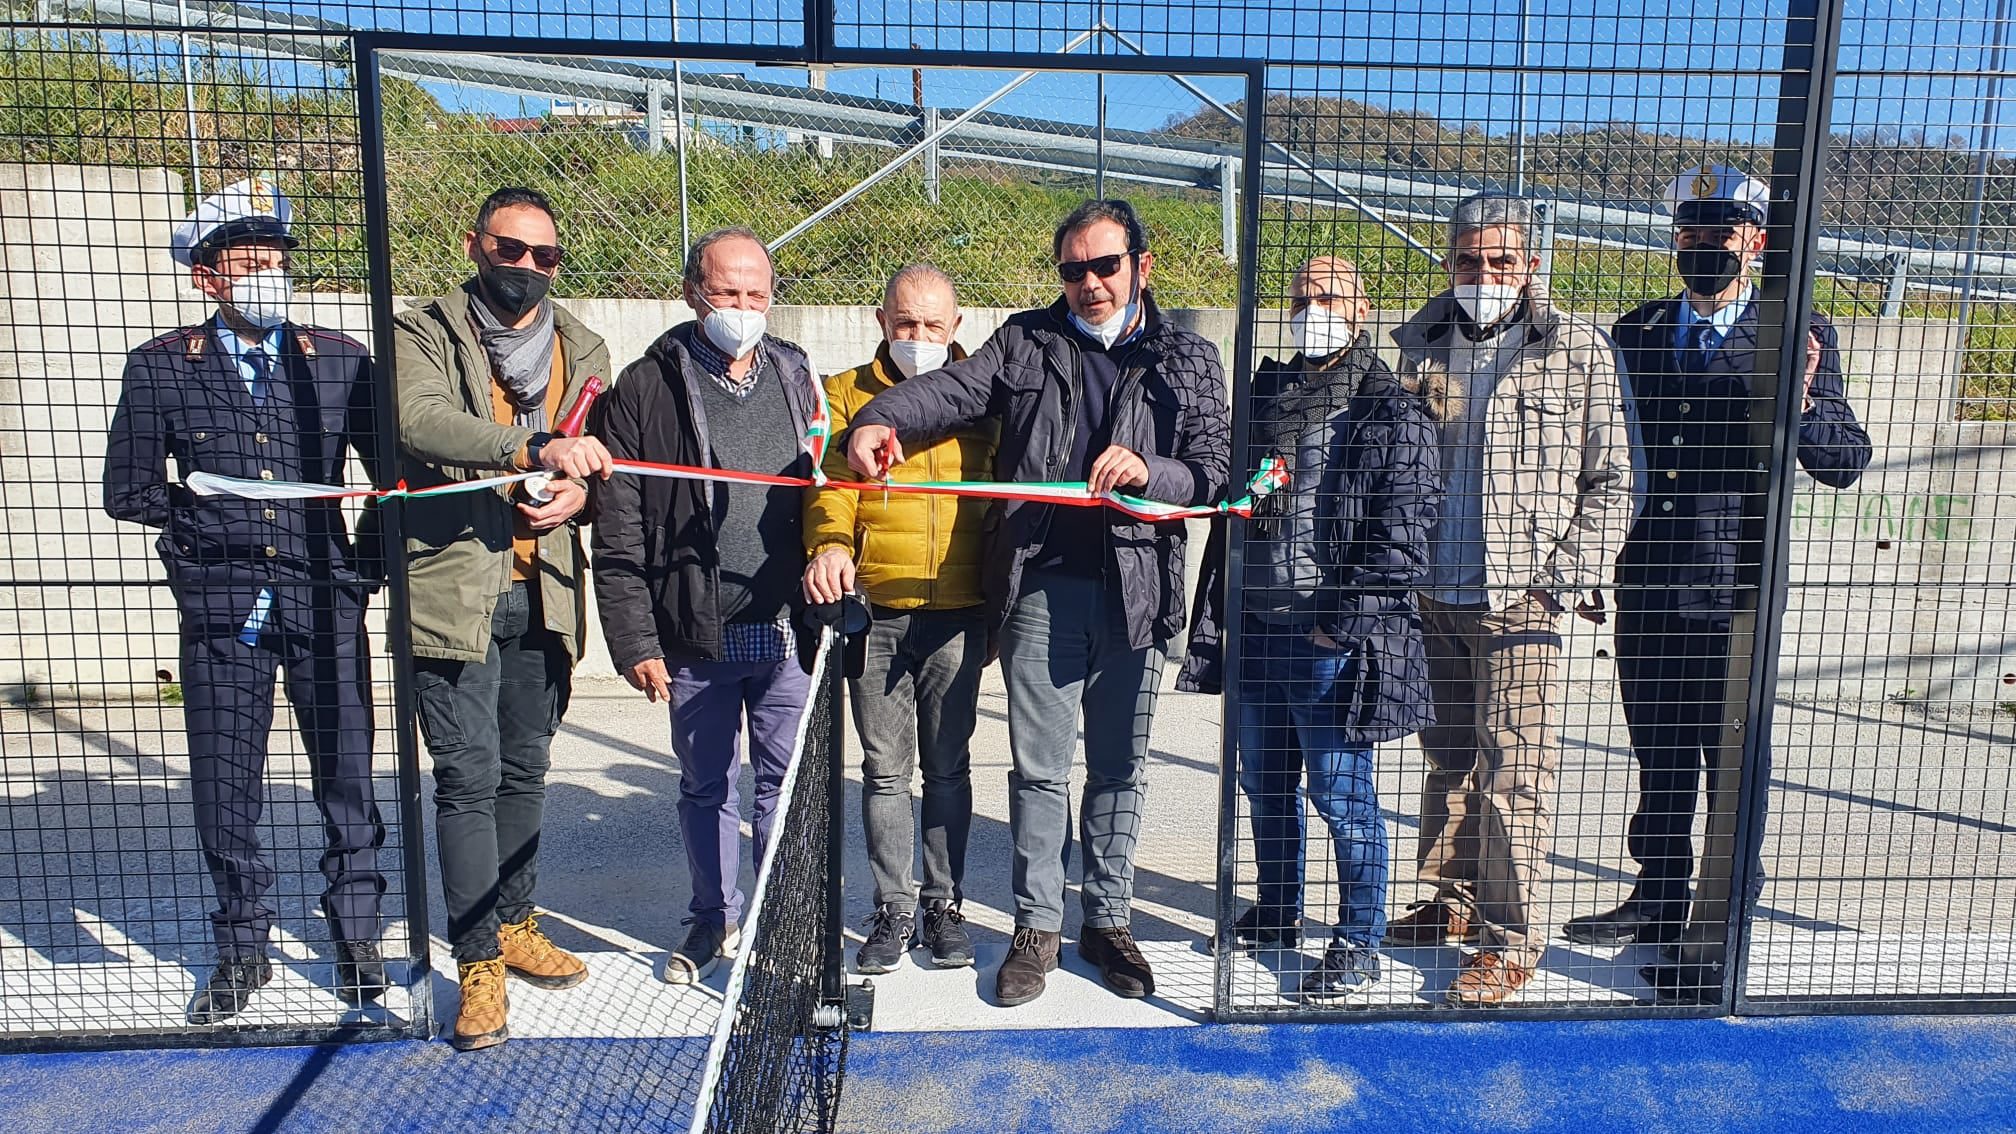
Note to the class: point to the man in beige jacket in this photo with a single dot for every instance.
(1536, 448)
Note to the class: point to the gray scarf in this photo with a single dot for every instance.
(522, 359)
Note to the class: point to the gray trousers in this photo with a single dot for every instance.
(1064, 654)
(917, 695)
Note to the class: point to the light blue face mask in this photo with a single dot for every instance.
(1108, 332)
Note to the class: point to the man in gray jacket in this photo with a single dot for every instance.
(1536, 451)
(1081, 601)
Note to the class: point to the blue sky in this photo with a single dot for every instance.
(1705, 67)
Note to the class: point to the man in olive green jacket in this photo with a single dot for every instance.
(495, 580)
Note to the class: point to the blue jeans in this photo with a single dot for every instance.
(1289, 725)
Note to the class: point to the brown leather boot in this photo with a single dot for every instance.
(1487, 979)
(479, 1023)
(532, 957)
(1032, 955)
(1427, 924)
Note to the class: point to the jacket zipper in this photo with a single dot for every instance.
(931, 530)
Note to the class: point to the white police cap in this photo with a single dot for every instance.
(1717, 194)
(254, 208)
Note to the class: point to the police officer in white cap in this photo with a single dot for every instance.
(1692, 359)
(263, 587)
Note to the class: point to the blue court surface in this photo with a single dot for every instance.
(1949, 1075)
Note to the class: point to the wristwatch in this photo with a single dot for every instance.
(533, 446)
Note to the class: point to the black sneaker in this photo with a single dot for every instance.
(945, 935)
(1252, 935)
(1343, 971)
(360, 972)
(230, 989)
(706, 947)
(889, 934)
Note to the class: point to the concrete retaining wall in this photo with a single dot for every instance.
(1900, 583)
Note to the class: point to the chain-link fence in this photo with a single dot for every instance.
(850, 174)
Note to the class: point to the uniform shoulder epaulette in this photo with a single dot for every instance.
(307, 338)
(189, 342)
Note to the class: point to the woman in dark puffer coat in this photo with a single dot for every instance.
(1331, 645)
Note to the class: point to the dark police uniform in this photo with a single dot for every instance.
(1677, 576)
(261, 587)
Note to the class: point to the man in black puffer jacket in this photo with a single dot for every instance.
(1332, 660)
(1082, 601)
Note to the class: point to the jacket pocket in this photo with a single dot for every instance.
(1545, 420)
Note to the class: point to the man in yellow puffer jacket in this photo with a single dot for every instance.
(917, 557)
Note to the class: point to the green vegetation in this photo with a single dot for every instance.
(67, 99)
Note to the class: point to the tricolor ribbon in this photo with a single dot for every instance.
(1271, 476)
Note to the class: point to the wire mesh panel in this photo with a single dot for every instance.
(286, 27)
(1492, 637)
(1889, 846)
(197, 752)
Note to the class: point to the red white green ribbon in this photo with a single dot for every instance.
(1272, 475)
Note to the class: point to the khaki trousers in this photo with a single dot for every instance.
(1487, 820)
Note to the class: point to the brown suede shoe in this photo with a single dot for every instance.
(480, 1021)
(1487, 979)
(1427, 924)
(1032, 955)
(1120, 962)
(532, 957)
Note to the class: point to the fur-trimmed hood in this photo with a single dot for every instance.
(1432, 332)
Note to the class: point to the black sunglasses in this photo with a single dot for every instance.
(510, 251)
(1105, 267)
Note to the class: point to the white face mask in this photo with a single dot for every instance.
(1106, 332)
(914, 356)
(734, 329)
(262, 298)
(1487, 303)
(1320, 333)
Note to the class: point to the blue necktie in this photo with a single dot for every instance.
(1694, 357)
(261, 364)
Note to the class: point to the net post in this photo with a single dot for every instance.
(833, 977)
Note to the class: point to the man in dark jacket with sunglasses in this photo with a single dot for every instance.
(1082, 602)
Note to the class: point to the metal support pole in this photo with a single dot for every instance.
(654, 116)
(908, 155)
(1228, 207)
(931, 170)
(398, 610)
(815, 79)
(1739, 781)
(1544, 210)
(1519, 105)
(1099, 139)
(1984, 155)
(189, 103)
(679, 139)
(1899, 275)
(1235, 556)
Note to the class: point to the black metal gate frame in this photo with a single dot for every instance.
(365, 48)
(1808, 68)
